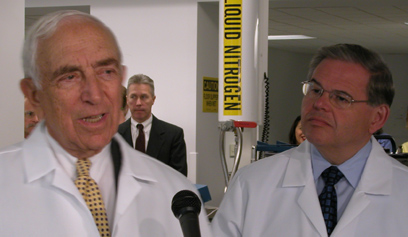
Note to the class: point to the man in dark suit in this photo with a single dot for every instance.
(161, 140)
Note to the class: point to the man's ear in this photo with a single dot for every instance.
(379, 118)
(30, 91)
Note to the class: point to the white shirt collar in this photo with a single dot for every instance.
(68, 162)
(145, 123)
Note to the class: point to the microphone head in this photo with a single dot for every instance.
(185, 201)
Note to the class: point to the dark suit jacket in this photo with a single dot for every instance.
(166, 143)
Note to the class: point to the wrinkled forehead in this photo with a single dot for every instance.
(73, 40)
(78, 26)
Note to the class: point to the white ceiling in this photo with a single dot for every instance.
(375, 24)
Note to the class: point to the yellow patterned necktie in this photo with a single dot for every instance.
(92, 196)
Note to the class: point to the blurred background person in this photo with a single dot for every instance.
(385, 143)
(404, 147)
(124, 107)
(31, 117)
(295, 134)
(158, 139)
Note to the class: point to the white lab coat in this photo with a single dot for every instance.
(277, 196)
(38, 198)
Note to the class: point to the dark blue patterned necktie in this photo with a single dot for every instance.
(328, 197)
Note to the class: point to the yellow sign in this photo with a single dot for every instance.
(210, 94)
(232, 99)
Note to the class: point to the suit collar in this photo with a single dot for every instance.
(156, 139)
(126, 131)
(145, 123)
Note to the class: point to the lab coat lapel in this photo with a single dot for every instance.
(371, 183)
(131, 173)
(40, 164)
(299, 174)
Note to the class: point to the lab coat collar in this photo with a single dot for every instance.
(299, 174)
(299, 170)
(134, 171)
(38, 155)
(299, 166)
(40, 163)
(375, 180)
(377, 175)
(132, 165)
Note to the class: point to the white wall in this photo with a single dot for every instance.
(11, 98)
(286, 71)
(399, 109)
(209, 164)
(165, 50)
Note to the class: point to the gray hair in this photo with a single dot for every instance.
(380, 88)
(43, 29)
(141, 79)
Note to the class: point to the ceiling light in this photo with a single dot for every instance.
(289, 37)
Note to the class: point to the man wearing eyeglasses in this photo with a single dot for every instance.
(339, 182)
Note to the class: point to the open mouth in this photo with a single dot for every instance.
(93, 119)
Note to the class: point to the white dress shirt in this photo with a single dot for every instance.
(352, 170)
(101, 171)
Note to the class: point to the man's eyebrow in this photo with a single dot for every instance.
(65, 69)
(106, 62)
(318, 83)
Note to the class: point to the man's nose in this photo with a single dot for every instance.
(323, 101)
(92, 90)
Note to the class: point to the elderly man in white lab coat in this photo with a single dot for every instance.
(73, 72)
(363, 192)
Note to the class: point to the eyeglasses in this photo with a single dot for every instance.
(337, 98)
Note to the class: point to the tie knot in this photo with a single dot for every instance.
(140, 126)
(83, 166)
(332, 175)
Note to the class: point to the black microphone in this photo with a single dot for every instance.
(186, 207)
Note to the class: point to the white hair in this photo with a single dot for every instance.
(43, 29)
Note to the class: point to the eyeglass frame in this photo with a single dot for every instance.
(332, 93)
